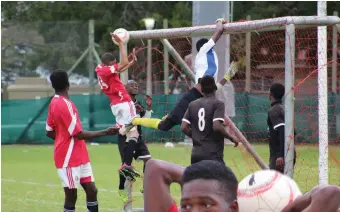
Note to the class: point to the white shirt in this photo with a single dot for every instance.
(206, 62)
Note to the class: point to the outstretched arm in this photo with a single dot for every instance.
(157, 179)
(94, 134)
(219, 29)
(218, 121)
(124, 62)
(211, 43)
(218, 127)
(88, 134)
(186, 121)
(186, 129)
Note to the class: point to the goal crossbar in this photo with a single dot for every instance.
(236, 27)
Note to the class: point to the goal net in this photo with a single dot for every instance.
(260, 49)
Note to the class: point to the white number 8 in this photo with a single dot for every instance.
(201, 121)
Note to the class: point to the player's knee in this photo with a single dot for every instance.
(91, 192)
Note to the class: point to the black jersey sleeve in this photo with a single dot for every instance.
(187, 117)
(276, 116)
(219, 109)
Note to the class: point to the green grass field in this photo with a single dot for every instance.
(30, 182)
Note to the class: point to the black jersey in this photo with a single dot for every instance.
(201, 114)
(276, 118)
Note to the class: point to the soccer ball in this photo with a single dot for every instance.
(169, 145)
(266, 191)
(122, 33)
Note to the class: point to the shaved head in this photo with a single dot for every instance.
(132, 87)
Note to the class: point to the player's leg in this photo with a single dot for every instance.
(146, 122)
(70, 182)
(167, 124)
(126, 113)
(87, 182)
(142, 153)
(121, 191)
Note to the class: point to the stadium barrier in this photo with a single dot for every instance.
(251, 118)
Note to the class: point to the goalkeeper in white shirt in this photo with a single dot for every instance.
(206, 64)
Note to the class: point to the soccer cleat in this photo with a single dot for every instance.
(129, 172)
(123, 196)
(142, 190)
(125, 129)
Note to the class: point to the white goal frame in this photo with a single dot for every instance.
(289, 24)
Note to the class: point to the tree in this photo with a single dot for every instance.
(64, 27)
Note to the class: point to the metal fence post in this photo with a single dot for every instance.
(91, 73)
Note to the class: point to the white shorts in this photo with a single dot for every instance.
(124, 112)
(72, 177)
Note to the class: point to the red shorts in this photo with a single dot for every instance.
(173, 208)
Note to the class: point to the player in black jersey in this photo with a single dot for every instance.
(204, 123)
(141, 151)
(276, 127)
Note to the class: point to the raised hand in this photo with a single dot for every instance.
(221, 20)
(148, 102)
(139, 108)
(116, 38)
(235, 141)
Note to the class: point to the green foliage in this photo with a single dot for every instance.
(63, 27)
(58, 31)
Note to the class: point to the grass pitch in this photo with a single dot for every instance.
(30, 182)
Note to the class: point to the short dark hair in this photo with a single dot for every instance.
(200, 43)
(213, 170)
(59, 80)
(277, 90)
(208, 85)
(107, 58)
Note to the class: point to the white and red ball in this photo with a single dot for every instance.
(169, 145)
(266, 191)
(123, 34)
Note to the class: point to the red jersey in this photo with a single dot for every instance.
(63, 118)
(111, 85)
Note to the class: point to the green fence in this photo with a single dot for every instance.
(251, 118)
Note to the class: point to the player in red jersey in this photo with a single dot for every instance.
(70, 153)
(122, 106)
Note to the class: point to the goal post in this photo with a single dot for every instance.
(283, 50)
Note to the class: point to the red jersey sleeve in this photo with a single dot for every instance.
(67, 114)
(49, 122)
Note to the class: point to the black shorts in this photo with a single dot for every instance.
(141, 152)
(197, 158)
